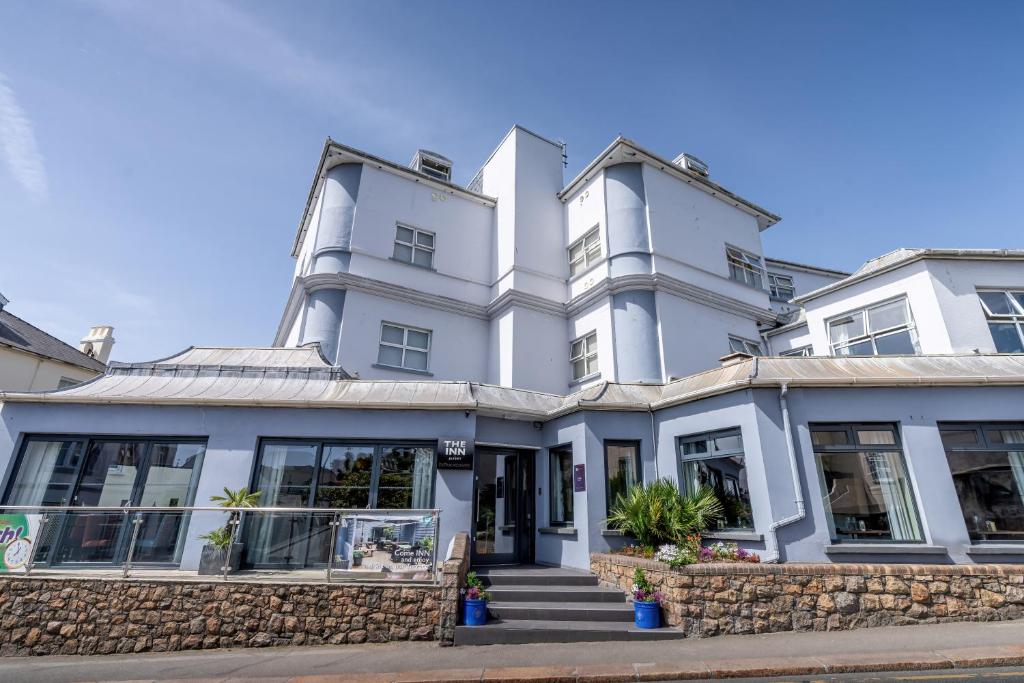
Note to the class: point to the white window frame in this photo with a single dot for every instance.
(870, 334)
(588, 254)
(748, 346)
(415, 245)
(745, 267)
(798, 351)
(712, 452)
(404, 346)
(775, 287)
(587, 353)
(1015, 318)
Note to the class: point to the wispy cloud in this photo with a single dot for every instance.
(215, 32)
(18, 142)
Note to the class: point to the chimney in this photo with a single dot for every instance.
(98, 343)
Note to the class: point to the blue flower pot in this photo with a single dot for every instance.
(647, 614)
(474, 612)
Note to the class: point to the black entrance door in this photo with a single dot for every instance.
(502, 507)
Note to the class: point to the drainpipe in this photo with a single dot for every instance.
(654, 444)
(772, 539)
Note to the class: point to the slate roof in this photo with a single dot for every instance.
(18, 334)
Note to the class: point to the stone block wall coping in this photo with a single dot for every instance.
(819, 569)
(994, 549)
(141, 577)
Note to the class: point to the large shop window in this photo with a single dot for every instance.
(622, 469)
(561, 487)
(86, 472)
(716, 460)
(885, 329)
(987, 463)
(319, 475)
(1005, 313)
(864, 483)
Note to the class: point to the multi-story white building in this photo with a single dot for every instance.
(582, 336)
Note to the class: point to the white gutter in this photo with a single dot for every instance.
(772, 539)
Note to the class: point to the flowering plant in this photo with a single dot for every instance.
(474, 589)
(727, 552)
(643, 591)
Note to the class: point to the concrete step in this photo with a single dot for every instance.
(561, 611)
(504, 593)
(527, 631)
(534, 575)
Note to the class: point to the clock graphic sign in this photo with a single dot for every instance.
(16, 535)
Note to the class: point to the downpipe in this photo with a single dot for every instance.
(772, 539)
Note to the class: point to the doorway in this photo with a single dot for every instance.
(503, 515)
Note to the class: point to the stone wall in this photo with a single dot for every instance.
(47, 616)
(453, 577)
(716, 599)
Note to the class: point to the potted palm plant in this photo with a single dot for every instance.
(475, 601)
(658, 513)
(220, 551)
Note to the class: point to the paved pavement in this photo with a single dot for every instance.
(808, 656)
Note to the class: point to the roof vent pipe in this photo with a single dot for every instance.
(772, 539)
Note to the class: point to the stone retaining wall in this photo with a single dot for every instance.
(716, 599)
(48, 616)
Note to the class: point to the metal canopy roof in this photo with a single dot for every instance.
(198, 377)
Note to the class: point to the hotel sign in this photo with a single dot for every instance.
(454, 454)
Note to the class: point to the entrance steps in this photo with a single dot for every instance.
(531, 604)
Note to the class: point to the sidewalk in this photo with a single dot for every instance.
(939, 646)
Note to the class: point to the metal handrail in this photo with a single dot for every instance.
(234, 521)
(211, 508)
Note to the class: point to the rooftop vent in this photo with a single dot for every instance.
(432, 164)
(691, 163)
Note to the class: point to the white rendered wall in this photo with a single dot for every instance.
(689, 232)
(695, 336)
(956, 282)
(912, 281)
(458, 344)
(794, 338)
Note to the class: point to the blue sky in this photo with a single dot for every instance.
(155, 157)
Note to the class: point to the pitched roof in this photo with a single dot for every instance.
(167, 383)
(904, 256)
(18, 334)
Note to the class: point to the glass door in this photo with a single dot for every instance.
(502, 507)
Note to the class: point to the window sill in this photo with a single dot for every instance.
(382, 366)
(884, 549)
(584, 379)
(410, 263)
(558, 530)
(997, 549)
(614, 532)
(725, 535)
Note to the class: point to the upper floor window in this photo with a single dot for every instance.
(864, 483)
(1005, 313)
(781, 286)
(584, 252)
(414, 246)
(741, 345)
(403, 347)
(717, 461)
(583, 356)
(745, 267)
(799, 351)
(885, 329)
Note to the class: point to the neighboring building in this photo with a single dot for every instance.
(579, 339)
(32, 360)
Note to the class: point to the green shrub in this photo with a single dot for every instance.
(657, 513)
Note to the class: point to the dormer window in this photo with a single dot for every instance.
(432, 164)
